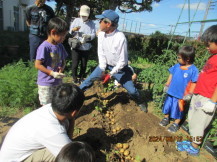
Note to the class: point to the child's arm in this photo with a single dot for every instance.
(214, 96)
(169, 80)
(192, 87)
(167, 83)
(189, 91)
(39, 66)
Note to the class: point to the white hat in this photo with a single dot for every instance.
(84, 10)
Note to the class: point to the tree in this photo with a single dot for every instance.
(97, 6)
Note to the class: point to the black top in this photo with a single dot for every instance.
(38, 18)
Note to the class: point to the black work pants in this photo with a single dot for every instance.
(79, 56)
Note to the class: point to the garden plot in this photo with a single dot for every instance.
(120, 131)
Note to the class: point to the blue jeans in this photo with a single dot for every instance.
(124, 77)
(34, 42)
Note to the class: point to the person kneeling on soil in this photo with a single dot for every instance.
(113, 56)
(41, 134)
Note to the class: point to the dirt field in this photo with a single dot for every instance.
(126, 124)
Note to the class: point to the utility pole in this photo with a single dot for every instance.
(204, 18)
(131, 25)
(140, 27)
(189, 19)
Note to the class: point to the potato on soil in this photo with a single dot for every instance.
(119, 145)
(118, 128)
(128, 157)
(122, 150)
(125, 145)
(126, 152)
(114, 131)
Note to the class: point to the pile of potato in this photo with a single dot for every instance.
(123, 149)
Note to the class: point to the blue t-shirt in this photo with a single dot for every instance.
(52, 57)
(180, 79)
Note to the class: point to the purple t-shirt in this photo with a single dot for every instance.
(52, 57)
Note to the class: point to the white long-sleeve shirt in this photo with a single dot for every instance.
(112, 50)
(38, 129)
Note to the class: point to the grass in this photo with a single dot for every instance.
(8, 111)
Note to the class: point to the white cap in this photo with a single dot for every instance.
(84, 10)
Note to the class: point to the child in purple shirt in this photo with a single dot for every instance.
(50, 59)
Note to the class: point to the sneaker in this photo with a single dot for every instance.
(181, 146)
(183, 142)
(143, 107)
(173, 128)
(164, 122)
(191, 150)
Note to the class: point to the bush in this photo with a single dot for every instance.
(18, 85)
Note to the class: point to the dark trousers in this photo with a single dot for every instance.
(77, 57)
(34, 42)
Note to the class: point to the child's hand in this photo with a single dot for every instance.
(208, 106)
(165, 89)
(57, 75)
(60, 69)
(187, 97)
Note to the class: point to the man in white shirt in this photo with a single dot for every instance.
(41, 134)
(113, 55)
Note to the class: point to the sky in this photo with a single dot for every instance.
(165, 15)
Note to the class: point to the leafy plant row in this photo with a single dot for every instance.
(18, 85)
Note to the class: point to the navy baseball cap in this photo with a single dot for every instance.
(110, 14)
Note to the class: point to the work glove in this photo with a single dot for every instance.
(208, 106)
(85, 38)
(187, 97)
(106, 78)
(57, 75)
(165, 89)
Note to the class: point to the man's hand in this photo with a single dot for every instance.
(208, 106)
(187, 97)
(57, 75)
(106, 78)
